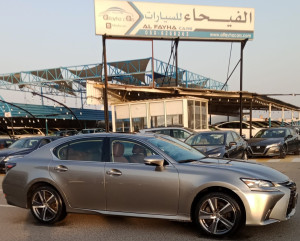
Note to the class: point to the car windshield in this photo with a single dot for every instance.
(269, 133)
(176, 149)
(25, 143)
(207, 139)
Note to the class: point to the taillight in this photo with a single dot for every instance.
(9, 166)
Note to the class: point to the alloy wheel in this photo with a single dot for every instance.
(218, 214)
(46, 205)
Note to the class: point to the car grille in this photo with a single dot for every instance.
(258, 149)
(292, 201)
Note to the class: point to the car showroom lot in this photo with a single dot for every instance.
(18, 224)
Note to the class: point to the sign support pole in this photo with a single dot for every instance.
(176, 56)
(243, 44)
(105, 85)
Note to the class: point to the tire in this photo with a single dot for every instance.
(283, 152)
(245, 156)
(213, 220)
(46, 205)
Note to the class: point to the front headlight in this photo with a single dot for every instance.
(273, 145)
(214, 155)
(260, 185)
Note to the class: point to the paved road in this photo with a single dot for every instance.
(289, 158)
(17, 224)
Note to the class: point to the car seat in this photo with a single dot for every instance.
(118, 152)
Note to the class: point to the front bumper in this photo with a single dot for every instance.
(263, 208)
(253, 151)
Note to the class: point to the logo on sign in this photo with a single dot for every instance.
(116, 14)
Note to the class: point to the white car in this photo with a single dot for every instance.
(21, 132)
(235, 126)
(180, 133)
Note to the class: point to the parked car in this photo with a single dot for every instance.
(277, 141)
(4, 134)
(21, 132)
(6, 142)
(222, 144)
(22, 147)
(91, 130)
(65, 133)
(154, 176)
(235, 126)
(181, 133)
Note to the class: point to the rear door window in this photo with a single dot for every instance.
(81, 150)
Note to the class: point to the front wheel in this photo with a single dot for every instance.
(218, 214)
(245, 156)
(46, 205)
(283, 152)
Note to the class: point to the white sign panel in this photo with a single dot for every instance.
(161, 20)
(7, 114)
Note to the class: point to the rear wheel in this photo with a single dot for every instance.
(218, 214)
(46, 205)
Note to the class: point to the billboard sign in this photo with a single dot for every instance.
(161, 20)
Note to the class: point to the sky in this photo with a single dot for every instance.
(40, 34)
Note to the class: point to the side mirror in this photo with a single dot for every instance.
(154, 160)
(244, 136)
(289, 137)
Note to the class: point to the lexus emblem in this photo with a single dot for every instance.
(257, 147)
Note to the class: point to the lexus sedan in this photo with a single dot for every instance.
(223, 144)
(153, 176)
(22, 147)
(274, 142)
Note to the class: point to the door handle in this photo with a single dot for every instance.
(61, 168)
(113, 172)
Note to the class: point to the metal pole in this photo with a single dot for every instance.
(153, 84)
(250, 118)
(243, 43)
(46, 125)
(176, 56)
(105, 85)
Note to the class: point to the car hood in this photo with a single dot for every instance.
(264, 141)
(15, 151)
(209, 149)
(246, 169)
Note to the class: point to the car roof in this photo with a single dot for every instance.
(39, 137)
(168, 128)
(212, 132)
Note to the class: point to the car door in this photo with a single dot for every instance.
(134, 187)
(231, 150)
(240, 147)
(291, 140)
(78, 169)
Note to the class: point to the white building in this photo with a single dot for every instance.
(186, 112)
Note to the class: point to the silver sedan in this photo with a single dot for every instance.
(151, 176)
